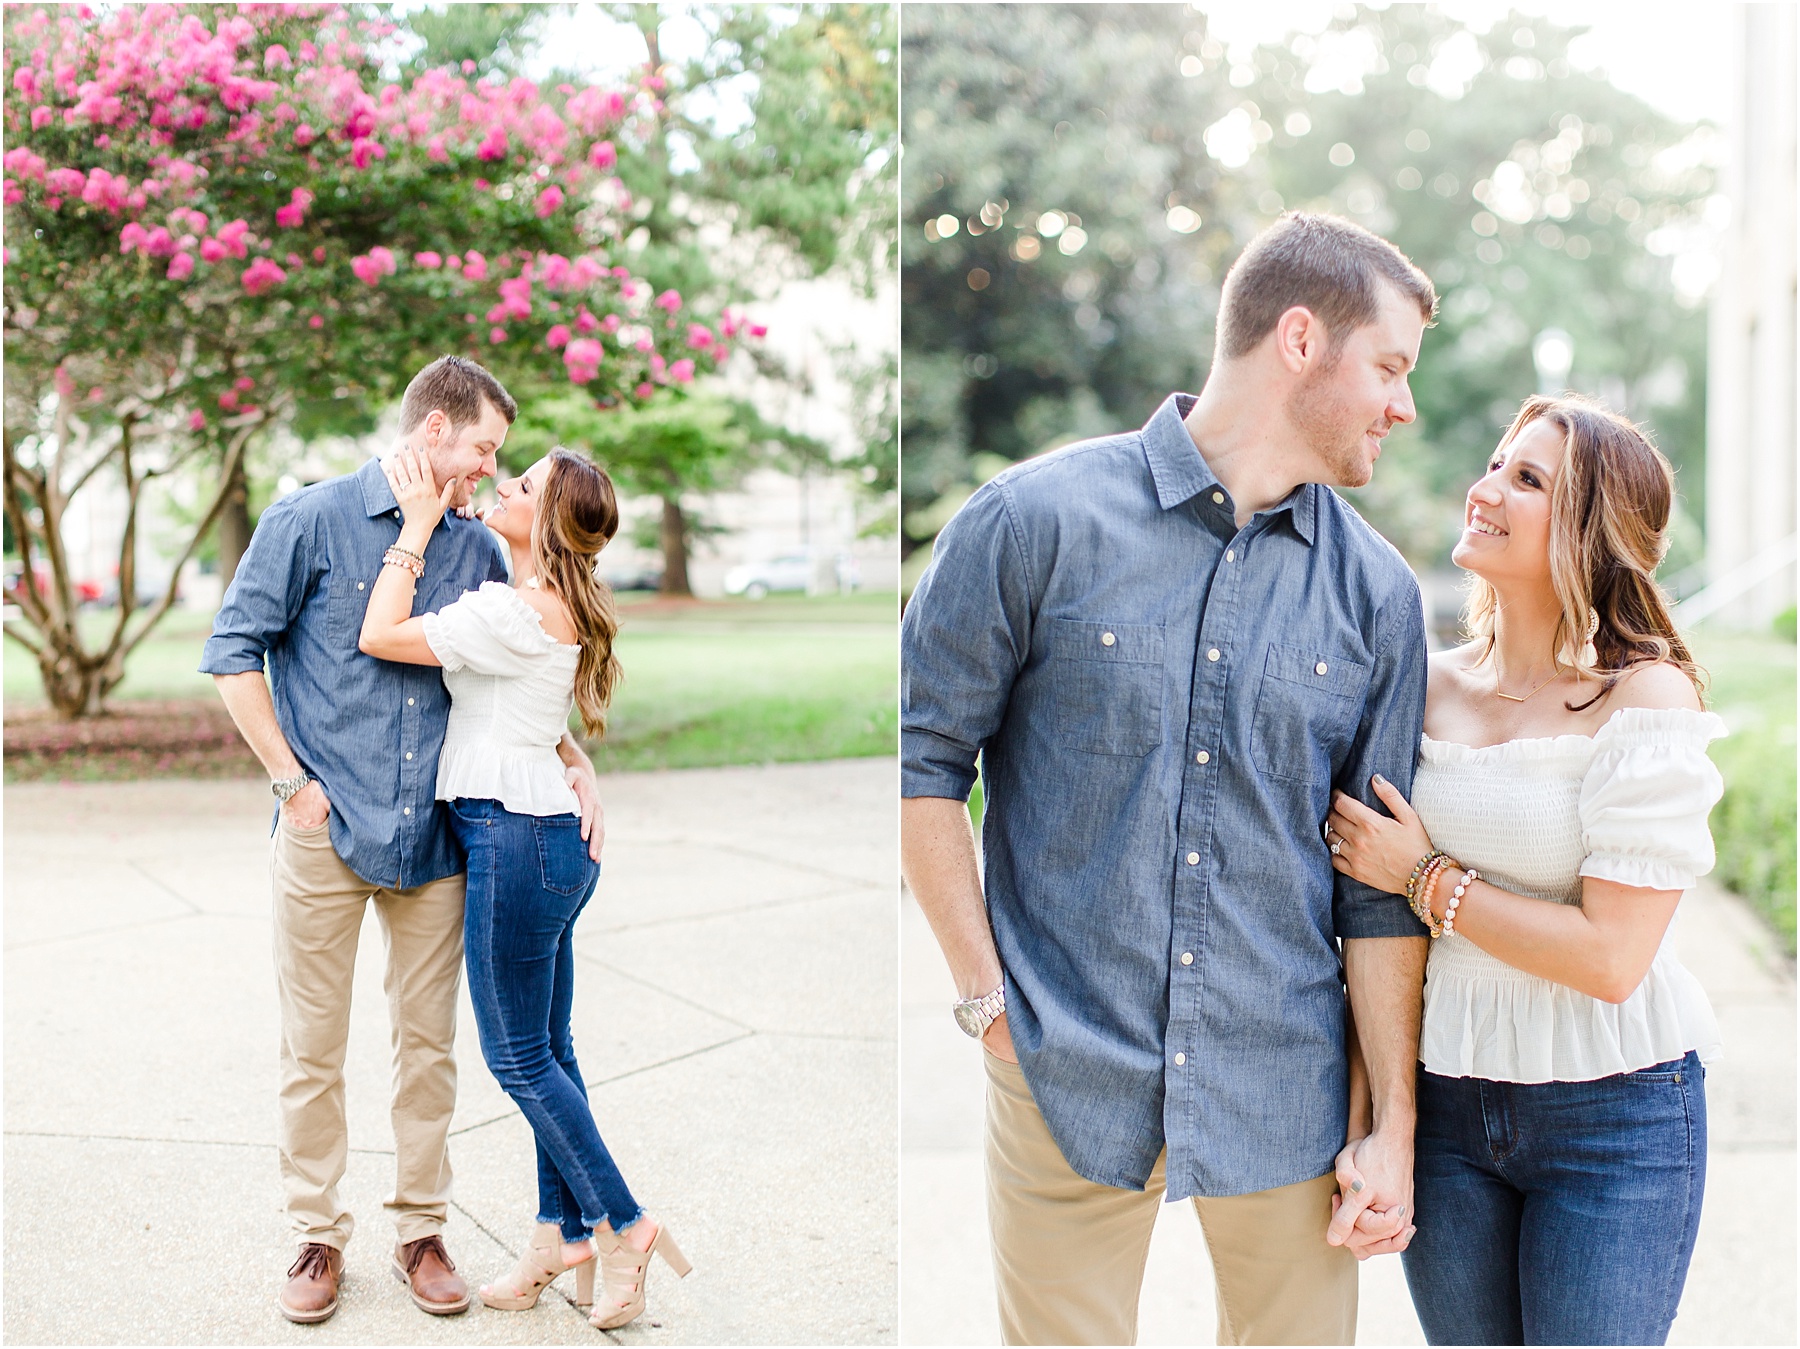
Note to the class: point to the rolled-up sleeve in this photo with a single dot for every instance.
(1387, 742)
(966, 633)
(264, 595)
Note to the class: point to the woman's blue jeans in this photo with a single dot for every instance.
(1556, 1212)
(529, 879)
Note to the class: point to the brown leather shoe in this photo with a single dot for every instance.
(312, 1287)
(426, 1268)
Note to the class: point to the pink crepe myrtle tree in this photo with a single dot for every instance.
(220, 217)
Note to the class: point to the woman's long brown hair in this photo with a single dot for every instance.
(1609, 521)
(577, 515)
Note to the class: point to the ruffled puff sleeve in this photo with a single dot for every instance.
(1646, 798)
(490, 631)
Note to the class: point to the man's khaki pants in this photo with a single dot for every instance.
(319, 905)
(1069, 1254)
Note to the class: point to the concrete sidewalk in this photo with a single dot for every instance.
(1740, 1289)
(735, 1012)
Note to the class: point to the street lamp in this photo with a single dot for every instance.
(1553, 353)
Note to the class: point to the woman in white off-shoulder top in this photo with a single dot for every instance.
(1558, 814)
(517, 659)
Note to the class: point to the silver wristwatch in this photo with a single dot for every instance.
(975, 1015)
(286, 789)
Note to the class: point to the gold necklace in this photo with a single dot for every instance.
(1499, 674)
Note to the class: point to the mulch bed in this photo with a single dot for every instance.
(187, 738)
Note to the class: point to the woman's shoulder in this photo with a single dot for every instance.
(1447, 669)
(552, 613)
(1657, 686)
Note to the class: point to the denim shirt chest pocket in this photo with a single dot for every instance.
(347, 600)
(1307, 709)
(1109, 683)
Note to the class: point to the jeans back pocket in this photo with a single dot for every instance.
(564, 867)
(1108, 680)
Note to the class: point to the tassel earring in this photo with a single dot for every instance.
(1590, 657)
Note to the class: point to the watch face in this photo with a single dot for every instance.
(970, 1019)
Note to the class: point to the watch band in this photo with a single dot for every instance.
(286, 789)
(975, 1015)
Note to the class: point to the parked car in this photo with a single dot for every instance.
(634, 578)
(753, 580)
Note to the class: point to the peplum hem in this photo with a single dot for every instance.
(1486, 1019)
(526, 779)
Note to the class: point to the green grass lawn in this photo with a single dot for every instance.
(1752, 687)
(706, 683)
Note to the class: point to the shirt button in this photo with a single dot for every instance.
(360, 585)
(1319, 668)
(1213, 654)
(1187, 957)
(1203, 757)
(1193, 859)
(409, 754)
(409, 702)
(1231, 555)
(1219, 497)
(1180, 1059)
(406, 810)
(1107, 639)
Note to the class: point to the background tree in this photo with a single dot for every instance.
(674, 444)
(1066, 228)
(770, 156)
(217, 219)
(804, 183)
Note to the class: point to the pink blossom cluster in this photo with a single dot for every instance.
(733, 323)
(370, 267)
(582, 357)
(262, 275)
(152, 76)
(293, 215)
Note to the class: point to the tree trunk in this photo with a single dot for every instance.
(674, 550)
(76, 685)
(234, 523)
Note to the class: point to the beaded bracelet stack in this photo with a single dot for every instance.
(406, 560)
(1412, 886)
(1422, 884)
(1470, 875)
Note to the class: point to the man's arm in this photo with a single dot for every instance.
(1385, 976)
(966, 635)
(937, 857)
(1384, 955)
(259, 607)
(246, 697)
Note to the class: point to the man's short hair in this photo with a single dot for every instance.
(1322, 263)
(457, 387)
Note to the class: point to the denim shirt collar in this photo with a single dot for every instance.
(1181, 472)
(378, 497)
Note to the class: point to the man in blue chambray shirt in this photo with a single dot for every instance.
(352, 744)
(1167, 648)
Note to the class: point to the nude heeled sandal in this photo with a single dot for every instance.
(537, 1269)
(623, 1273)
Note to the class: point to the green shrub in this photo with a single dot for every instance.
(1786, 625)
(1752, 687)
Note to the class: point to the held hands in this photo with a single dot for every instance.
(1372, 1211)
(1369, 847)
(415, 488)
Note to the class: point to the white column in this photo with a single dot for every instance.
(1751, 384)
